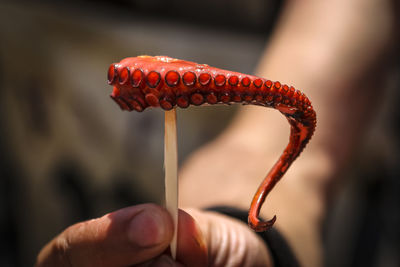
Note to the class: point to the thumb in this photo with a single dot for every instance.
(121, 238)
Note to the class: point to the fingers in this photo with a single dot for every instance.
(230, 242)
(122, 238)
(140, 234)
(192, 247)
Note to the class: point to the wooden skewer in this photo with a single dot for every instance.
(171, 173)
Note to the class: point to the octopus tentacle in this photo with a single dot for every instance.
(146, 81)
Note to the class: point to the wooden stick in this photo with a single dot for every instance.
(171, 172)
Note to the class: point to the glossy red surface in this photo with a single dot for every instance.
(166, 82)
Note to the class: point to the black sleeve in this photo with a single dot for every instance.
(282, 254)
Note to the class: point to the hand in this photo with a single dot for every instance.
(140, 235)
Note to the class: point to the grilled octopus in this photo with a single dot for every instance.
(160, 81)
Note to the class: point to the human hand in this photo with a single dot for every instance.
(140, 235)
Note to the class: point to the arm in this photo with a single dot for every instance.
(333, 52)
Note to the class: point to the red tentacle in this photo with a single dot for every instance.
(165, 82)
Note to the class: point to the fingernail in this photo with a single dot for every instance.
(147, 229)
(163, 261)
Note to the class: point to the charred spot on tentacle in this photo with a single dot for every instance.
(153, 79)
(172, 78)
(137, 77)
(204, 78)
(123, 76)
(189, 78)
(219, 80)
(111, 74)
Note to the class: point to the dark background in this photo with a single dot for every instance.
(69, 154)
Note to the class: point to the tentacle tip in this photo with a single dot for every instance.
(261, 226)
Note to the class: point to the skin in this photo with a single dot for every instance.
(335, 53)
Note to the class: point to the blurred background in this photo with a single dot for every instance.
(68, 153)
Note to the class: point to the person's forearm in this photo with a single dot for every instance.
(331, 51)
